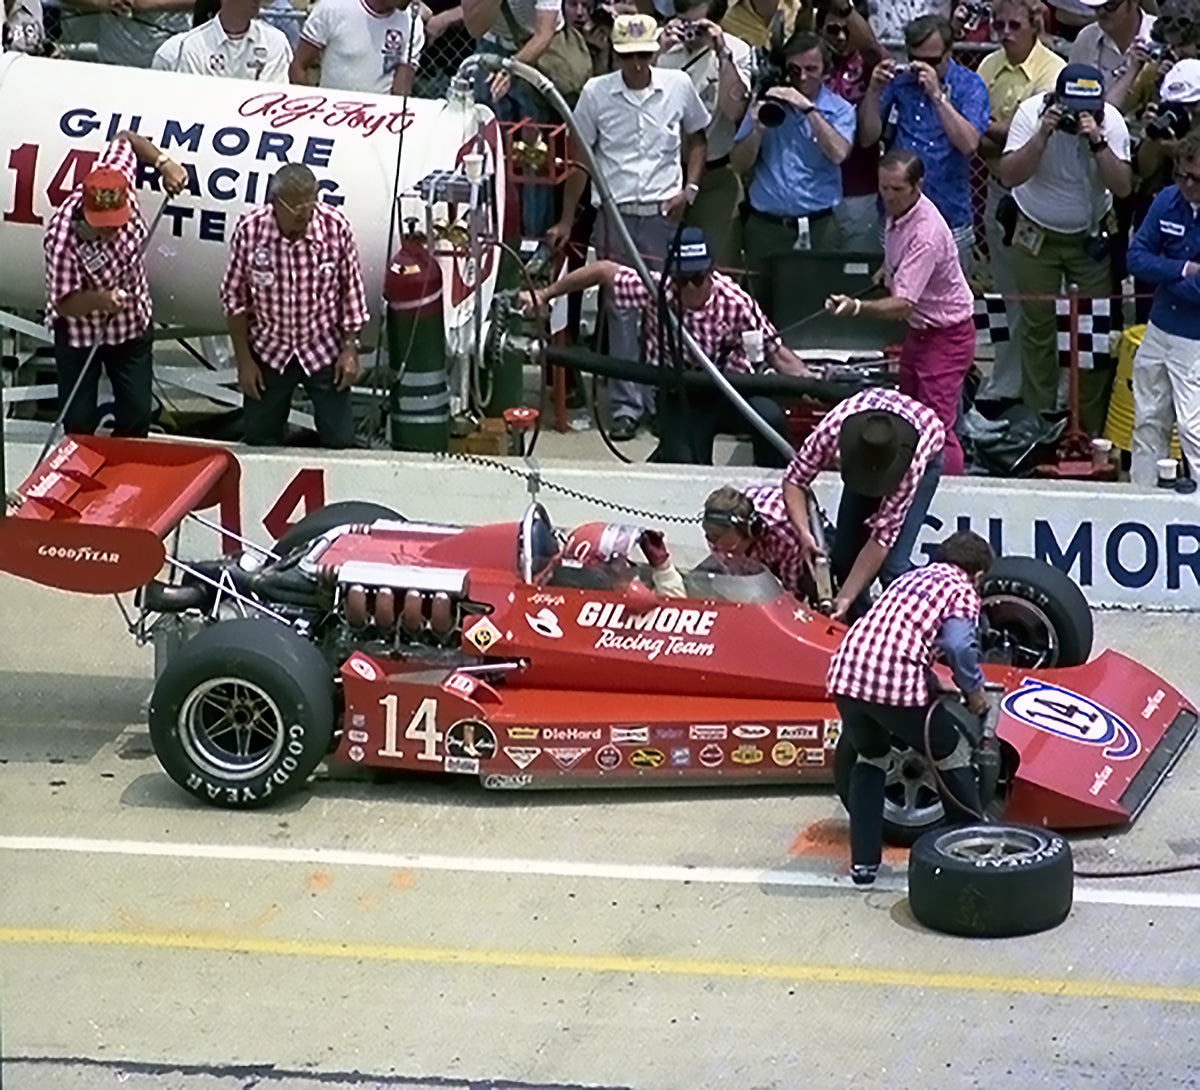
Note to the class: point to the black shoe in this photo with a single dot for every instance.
(864, 874)
(623, 429)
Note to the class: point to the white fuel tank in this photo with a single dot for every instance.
(57, 116)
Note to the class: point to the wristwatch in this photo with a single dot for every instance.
(163, 157)
(1098, 146)
(690, 192)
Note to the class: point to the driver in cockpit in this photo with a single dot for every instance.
(595, 556)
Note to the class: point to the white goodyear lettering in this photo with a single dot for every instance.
(662, 630)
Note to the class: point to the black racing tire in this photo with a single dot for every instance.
(274, 685)
(1040, 609)
(911, 803)
(990, 881)
(329, 517)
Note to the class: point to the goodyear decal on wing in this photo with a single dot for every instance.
(1069, 715)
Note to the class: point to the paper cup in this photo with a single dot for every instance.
(1101, 452)
(752, 341)
(1167, 471)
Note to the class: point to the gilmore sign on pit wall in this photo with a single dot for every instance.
(1126, 547)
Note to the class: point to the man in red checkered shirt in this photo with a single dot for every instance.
(883, 685)
(715, 311)
(888, 448)
(97, 295)
(753, 523)
(294, 302)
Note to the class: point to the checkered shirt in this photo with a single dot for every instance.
(717, 326)
(303, 297)
(75, 265)
(820, 451)
(887, 654)
(778, 548)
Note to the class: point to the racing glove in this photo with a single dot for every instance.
(654, 548)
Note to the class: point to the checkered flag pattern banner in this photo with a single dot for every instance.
(991, 321)
(1097, 324)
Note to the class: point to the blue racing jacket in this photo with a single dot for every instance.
(1168, 237)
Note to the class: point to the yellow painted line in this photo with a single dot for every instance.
(603, 963)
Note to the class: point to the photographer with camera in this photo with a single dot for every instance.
(802, 134)
(1066, 157)
(1165, 252)
(1119, 44)
(720, 67)
(941, 110)
(1021, 67)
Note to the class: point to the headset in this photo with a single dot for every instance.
(753, 524)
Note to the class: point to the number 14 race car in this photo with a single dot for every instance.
(365, 639)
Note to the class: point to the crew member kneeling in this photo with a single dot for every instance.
(715, 311)
(883, 686)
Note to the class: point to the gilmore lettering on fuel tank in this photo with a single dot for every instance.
(1131, 554)
(267, 148)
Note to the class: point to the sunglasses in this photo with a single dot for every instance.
(836, 30)
(694, 280)
(1187, 176)
(1009, 24)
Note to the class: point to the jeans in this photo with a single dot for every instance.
(129, 367)
(852, 533)
(265, 420)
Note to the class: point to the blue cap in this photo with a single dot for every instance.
(693, 254)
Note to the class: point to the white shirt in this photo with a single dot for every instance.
(635, 136)
(166, 56)
(525, 14)
(362, 48)
(704, 69)
(1093, 46)
(24, 28)
(1065, 193)
(262, 53)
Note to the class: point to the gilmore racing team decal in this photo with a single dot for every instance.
(662, 630)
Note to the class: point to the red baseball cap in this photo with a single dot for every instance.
(106, 198)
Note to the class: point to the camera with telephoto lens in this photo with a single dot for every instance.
(771, 73)
(1171, 122)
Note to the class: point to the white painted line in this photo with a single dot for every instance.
(1086, 891)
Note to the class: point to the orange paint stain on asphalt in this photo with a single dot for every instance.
(830, 839)
(369, 901)
(403, 879)
(319, 882)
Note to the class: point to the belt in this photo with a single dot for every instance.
(640, 208)
(792, 222)
(716, 164)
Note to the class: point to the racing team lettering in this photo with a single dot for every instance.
(1060, 711)
(634, 632)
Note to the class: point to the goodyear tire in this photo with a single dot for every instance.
(1036, 614)
(329, 517)
(990, 881)
(243, 713)
(911, 803)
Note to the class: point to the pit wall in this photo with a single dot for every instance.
(1127, 547)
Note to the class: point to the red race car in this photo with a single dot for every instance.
(490, 651)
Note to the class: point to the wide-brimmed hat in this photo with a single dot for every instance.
(876, 449)
(106, 198)
(634, 34)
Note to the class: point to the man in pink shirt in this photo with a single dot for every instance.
(928, 291)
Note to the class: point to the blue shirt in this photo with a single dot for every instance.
(793, 176)
(919, 129)
(1169, 236)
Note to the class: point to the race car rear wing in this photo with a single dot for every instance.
(92, 517)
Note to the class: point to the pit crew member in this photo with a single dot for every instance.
(97, 295)
(882, 684)
(890, 450)
(294, 303)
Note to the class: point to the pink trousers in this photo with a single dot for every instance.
(933, 365)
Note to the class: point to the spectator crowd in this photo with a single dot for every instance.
(1036, 145)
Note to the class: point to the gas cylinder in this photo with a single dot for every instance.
(419, 398)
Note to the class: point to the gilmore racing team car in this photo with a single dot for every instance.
(369, 640)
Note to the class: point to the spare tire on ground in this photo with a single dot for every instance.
(990, 881)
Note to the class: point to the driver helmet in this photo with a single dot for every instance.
(596, 544)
